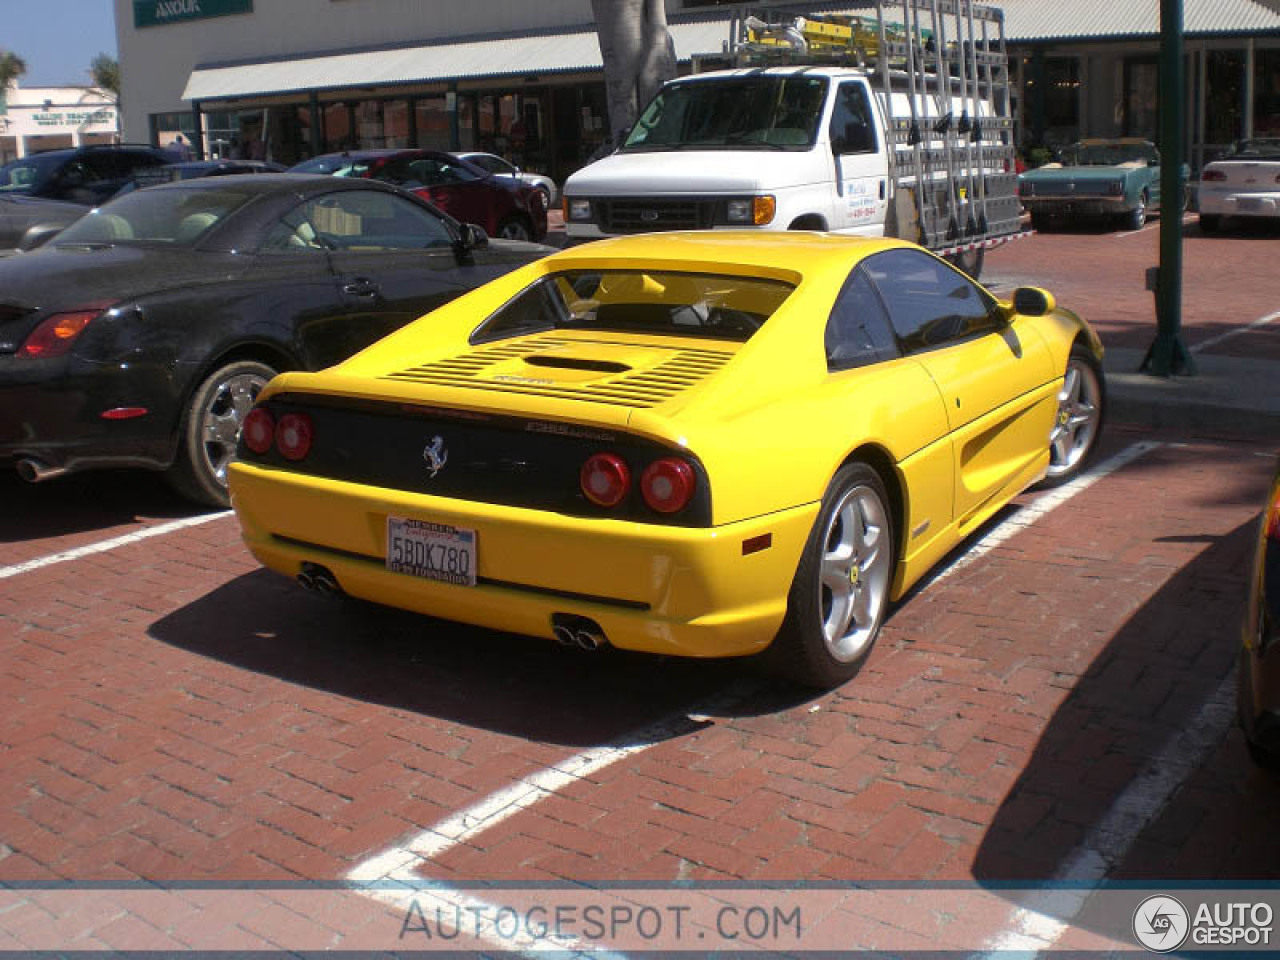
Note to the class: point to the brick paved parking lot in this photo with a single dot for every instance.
(1064, 690)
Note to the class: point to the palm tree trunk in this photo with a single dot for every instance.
(638, 55)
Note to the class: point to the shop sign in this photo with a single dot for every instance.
(158, 13)
(74, 119)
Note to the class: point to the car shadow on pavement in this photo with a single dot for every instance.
(515, 685)
(1149, 731)
(84, 502)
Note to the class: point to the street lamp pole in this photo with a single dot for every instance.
(1168, 354)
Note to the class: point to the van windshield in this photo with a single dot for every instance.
(751, 112)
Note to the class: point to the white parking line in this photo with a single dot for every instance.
(392, 876)
(1247, 328)
(1037, 925)
(102, 546)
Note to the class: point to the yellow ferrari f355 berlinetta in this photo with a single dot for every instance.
(705, 444)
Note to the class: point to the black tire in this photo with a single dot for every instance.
(1136, 218)
(515, 228)
(801, 651)
(1210, 222)
(210, 428)
(1041, 223)
(1072, 446)
(969, 262)
(545, 193)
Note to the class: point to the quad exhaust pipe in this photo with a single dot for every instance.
(571, 630)
(34, 471)
(320, 579)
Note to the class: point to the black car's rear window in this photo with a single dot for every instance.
(161, 215)
(721, 306)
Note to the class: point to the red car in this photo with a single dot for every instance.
(505, 208)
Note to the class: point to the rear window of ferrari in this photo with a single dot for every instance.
(720, 306)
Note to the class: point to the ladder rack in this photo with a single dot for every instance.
(941, 70)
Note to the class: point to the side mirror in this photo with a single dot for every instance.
(472, 237)
(39, 234)
(1033, 302)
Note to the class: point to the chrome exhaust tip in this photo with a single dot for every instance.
(327, 584)
(33, 471)
(589, 640)
(571, 630)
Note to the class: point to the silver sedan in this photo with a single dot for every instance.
(504, 168)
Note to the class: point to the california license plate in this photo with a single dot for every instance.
(431, 550)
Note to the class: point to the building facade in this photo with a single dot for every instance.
(287, 79)
(33, 119)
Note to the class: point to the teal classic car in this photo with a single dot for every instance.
(1115, 180)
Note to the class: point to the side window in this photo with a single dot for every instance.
(371, 220)
(858, 330)
(930, 304)
(293, 233)
(133, 162)
(399, 172)
(852, 127)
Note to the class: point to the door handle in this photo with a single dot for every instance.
(361, 287)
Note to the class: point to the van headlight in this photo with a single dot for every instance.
(579, 211)
(756, 211)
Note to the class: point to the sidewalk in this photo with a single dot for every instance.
(1228, 395)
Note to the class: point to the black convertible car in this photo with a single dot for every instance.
(142, 334)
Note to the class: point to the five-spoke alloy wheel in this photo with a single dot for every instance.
(841, 589)
(211, 429)
(1078, 421)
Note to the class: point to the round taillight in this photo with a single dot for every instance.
(259, 430)
(667, 485)
(605, 479)
(293, 435)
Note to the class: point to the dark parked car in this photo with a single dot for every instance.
(142, 334)
(85, 175)
(27, 222)
(1260, 656)
(505, 207)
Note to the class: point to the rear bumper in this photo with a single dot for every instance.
(666, 590)
(51, 411)
(1076, 206)
(1227, 204)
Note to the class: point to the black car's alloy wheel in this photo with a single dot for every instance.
(211, 429)
(841, 589)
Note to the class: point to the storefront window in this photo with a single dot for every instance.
(1141, 97)
(395, 119)
(1266, 86)
(369, 126)
(165, 127)
(338, 133)
(1062, 98)
(1224, 121)
(432, 121)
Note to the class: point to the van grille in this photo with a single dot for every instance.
(643, 215)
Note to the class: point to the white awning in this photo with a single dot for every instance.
(499, 57)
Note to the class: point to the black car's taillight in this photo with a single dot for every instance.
(58, 332)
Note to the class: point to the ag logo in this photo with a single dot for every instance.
(1161, 923)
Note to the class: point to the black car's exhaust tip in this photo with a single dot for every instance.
(35, 471)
